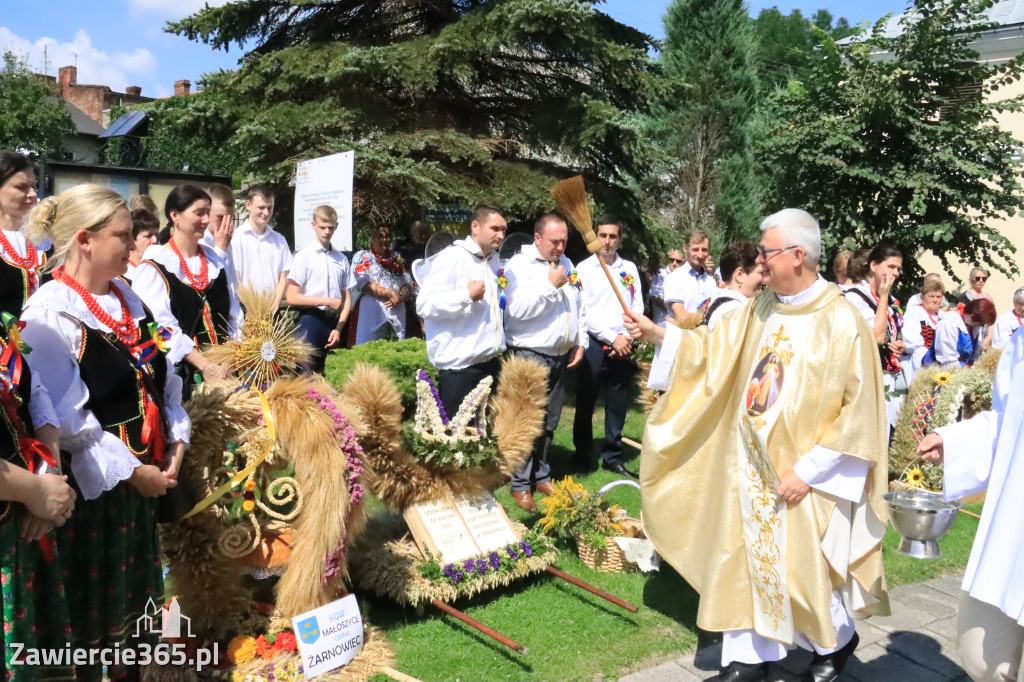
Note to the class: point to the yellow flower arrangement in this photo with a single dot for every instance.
(942, 378)
(572, 510)
(915, 478)
(242, 649)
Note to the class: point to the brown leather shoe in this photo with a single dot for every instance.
(524, 500)
(545, 488)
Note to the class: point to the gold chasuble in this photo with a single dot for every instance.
(744, 403)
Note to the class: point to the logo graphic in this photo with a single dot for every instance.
(165, 621)
(309, 631)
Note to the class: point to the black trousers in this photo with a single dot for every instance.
(455, 384)
(315, 327)
(616, 376)
(536, 469)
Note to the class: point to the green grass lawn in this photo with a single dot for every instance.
(571, 634)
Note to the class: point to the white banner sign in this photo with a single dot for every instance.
(330, 636)
(326, 180)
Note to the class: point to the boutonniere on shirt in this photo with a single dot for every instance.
(627, 281)
(574, 279)
(362, 266)
(501, 281)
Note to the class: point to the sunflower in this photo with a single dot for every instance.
(915, 479)
(942, 378)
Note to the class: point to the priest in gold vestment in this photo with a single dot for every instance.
(764, 464)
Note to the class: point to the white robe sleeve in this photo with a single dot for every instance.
(178, 422)
(99, 460)
(149, 284)
(664, 358)
(833, 473)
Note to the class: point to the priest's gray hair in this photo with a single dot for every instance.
(798, 228)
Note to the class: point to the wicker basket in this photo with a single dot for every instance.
(607, 559)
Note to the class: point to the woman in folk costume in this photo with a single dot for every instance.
(959, 335)
(20, 260)
(118, 407)
(385, 285)
(145, 227)
(189, 287)
(34, 498)
(873, 298)
(919, 325)
(774, 516)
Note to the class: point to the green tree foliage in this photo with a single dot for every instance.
(903, 148)
(443, 101)
(705, 177)
(32, 116)
(787, 42)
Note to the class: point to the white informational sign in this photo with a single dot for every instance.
(330, 636)
(325, 180)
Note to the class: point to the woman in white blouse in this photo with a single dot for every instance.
(20, 260)
(919, 324)
(385, 285)
(117, 404)
(189, 287)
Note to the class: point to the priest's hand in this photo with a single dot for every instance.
(791, 488)
(931, 448)
(641, 328)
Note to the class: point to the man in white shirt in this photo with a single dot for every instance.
(544, 322)
(260, 254)
(690, 286)
(656, 297)
(1010, 321)
(460, 302)
(742, 279)
(606, 360)
(318, 285)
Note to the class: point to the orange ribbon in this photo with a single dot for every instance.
(151, 431)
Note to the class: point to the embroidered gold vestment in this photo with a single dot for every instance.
(722, 389)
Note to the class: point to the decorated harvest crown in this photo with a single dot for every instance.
(469, 423)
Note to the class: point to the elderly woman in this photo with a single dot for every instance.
(118, 411)
(1009, 322)
(20, 260)
(919, 324)
(385, 285)
(958, 336)
(976, 280)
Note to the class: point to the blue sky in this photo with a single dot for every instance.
(121, 42)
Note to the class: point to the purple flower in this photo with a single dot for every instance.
(458, 577)
(513, 553)
(423, 376)
(527, 549)
(449, 570)
(495, 560)
(481, 567)
(468, 565)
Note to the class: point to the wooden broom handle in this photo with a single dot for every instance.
(615, 288)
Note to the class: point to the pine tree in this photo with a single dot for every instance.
(702, 122)
(443, 101)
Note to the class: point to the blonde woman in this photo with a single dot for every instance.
(117, 404)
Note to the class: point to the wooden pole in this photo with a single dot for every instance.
(472, 622)
(615, 288)
(964, 511)
(630, 442)
(397, 675)
(593, 590)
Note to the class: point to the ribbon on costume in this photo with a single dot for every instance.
(152, 433)
(502, 282)
(223, 490)
(628, 281)
(30, 450)
(158, 343)
(15, 347)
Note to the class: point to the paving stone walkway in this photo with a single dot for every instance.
(915, 644)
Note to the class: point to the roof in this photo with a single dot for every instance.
(83, 124)
(1004, 13)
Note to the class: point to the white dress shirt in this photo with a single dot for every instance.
(460, 331)
(659, 310)
(148, 282)
(1006, 324)
(321, 272)
(99, 460)
(603, 312)
(915, 317)
(947, 336)
(259, 259)
(537, 315)
(690, 287)
(733, 300)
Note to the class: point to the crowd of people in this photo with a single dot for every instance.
(770, 399)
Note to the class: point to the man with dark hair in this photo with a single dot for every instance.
(460, 303)
(687, 289)
(260, 254)
(544, 322)
(607, 357)
(741, 279)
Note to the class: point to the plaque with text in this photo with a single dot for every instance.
(438, 526)
(487, 523)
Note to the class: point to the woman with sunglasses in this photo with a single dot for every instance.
(976, 281)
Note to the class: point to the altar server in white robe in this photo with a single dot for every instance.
(985, 454)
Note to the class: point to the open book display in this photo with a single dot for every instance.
(446, 536)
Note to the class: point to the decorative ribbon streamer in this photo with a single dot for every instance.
(30, 450)
(627, 280)
(152, 434)
(158, 343)
(15, 346)
(502, 282)
(223, 490)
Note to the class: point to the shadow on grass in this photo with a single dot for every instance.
(594, 601)
(667, 593)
